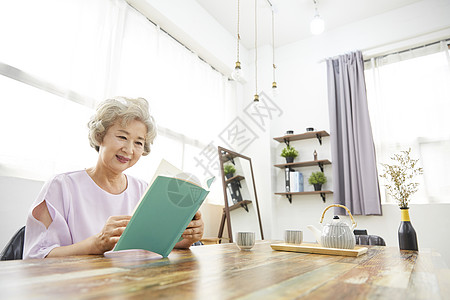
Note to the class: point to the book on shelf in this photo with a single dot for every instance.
(164, 211)
(287, 177)
(296, 182)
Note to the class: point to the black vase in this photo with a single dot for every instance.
(229, 175)
(407, 238)
(317, 186)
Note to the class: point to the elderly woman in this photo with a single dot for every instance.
(86, 211)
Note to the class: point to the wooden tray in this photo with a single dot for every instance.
(316, 249)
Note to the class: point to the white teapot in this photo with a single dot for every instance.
(337, 233)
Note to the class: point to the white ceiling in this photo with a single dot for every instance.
(292, 17)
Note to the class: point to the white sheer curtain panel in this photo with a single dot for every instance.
(56, 49)
(409, 105)
(186, 94)
(59, 58)
(71, 44)
(184, 90)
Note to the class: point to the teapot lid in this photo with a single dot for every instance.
(338, 222)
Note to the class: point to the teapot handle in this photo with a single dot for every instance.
(342, 206)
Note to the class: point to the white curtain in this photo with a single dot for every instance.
(409, 105)
(59, 58)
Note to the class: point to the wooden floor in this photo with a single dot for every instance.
(224, 272)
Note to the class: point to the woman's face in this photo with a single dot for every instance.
(122, 146)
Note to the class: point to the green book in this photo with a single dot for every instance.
(162, 215)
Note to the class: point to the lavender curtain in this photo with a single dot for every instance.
(355, 176)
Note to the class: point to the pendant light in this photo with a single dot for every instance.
(274, 83)
(237, 73)
(317, 25)
(256, 98)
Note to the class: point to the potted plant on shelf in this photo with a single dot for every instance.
(317, 179)
(289, 153)
(229, 171)
(400, 186)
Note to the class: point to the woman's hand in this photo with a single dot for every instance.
(96, 244)
(193, 233)
(110, 234)
(113, 229)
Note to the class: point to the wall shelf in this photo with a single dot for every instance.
(321, 193)
(290, 166)
(320, 163)
(302, 136)
(235, 178)
(242, 203)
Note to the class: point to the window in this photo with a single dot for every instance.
(43, 134)
(409, 105)
(57, 64)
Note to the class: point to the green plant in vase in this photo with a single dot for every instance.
(289, 153)
(229, 170)
(400, 185)
(317, 179)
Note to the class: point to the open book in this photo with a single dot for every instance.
(164, 211)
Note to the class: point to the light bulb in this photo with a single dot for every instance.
(275, 93)
(274, 90)
(237, 73)
(317, 25)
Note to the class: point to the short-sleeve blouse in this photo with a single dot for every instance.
(79, 209)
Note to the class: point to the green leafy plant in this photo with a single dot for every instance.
(400, 177)
(317, 177)
(229, 169)
(289, 151)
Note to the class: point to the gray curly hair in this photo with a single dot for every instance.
(125, 110)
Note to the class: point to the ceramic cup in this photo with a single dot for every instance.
(293, 236)
(245, 240)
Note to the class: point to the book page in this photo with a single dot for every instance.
(168, 170)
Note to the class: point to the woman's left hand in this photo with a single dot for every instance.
(193, 233)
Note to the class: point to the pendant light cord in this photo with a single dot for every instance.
(238, 35)
(273, 45)
(256, 51)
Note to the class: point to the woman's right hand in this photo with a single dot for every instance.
(96, 244)
(110, 234)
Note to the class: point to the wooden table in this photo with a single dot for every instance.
(224, 272)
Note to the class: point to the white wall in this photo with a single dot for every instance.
(303, 97)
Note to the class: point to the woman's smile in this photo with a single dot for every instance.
(122, 159)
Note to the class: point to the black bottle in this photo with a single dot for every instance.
(407, 238)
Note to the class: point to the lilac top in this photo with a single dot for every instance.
(79, 209)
